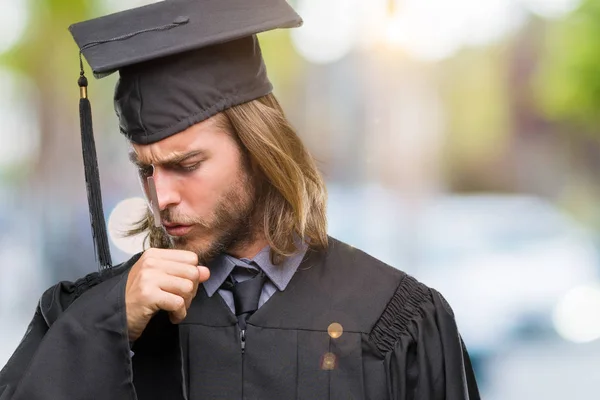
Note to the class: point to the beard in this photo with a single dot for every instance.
(233, 224)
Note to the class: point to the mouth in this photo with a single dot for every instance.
(177, 229)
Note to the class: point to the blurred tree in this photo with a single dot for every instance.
(567, 88)
(568, 82)
(55, 191)
(474, 86)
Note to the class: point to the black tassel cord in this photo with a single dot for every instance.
(92, 179)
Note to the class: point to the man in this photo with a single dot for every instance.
(276, 309)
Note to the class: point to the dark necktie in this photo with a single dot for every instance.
(245, 296)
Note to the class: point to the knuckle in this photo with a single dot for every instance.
(145, 276)
(145, 256)
(179, 302)
(195, 274)
(192, 258)
(150, 262)
(146, 294)
(188, 286)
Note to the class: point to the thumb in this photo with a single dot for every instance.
(203, 273)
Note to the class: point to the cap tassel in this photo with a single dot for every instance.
(92, 178)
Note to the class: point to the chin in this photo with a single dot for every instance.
(202, 246)
(192, 243)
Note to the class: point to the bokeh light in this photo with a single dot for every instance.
(121, 219)
(551, 8)
(432, 30)
(13, 21)
(330, 29)
(577, 315)
(328, 362)
(335, 330)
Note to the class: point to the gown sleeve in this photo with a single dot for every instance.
(425, 357)
(76, 346)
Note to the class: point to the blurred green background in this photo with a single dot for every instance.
(460, 141)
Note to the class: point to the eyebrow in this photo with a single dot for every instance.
(169, 161)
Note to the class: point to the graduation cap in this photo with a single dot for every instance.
(180, 62)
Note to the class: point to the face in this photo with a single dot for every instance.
(206, 194)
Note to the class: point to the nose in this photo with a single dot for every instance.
(166, 189)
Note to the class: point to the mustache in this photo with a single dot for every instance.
(170, 217)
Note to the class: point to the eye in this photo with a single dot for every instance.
(189, 167)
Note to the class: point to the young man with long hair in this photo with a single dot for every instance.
(240, 293)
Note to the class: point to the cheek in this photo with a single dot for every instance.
(206, 187)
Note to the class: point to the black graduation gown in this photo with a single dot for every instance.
(399, 341)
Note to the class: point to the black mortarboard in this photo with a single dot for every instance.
(180, 62)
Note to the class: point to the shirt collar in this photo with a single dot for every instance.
(280, 275)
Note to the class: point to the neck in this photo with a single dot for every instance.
(254, 239)
(248, 250)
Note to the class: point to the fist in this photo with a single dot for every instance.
(162, 279)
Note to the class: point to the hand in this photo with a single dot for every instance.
(162, 279)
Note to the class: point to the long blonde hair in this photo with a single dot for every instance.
(292, 193)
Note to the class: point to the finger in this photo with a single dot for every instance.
(177, 269)
(182, 256)
(182, 287)
(177, 316)
(179, 312)
(174, 304)
(203, 273)
(169, 302)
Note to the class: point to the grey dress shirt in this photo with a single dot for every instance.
(279, 275)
